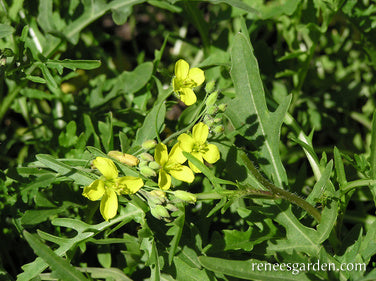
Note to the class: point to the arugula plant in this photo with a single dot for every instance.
(242, 133)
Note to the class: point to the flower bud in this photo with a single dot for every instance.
(212, 99)
(222, 107)
(147, 172)
(212, 110)
(217, 120)
(171, 207)
(210, 87)
(218, 129)
(149, 144)
(159, 212)
(208, 120)
(185, 196)
(124, 158)
(158, 193)
(143, 163)
(154, 165)
(147, 157)
(156, 197)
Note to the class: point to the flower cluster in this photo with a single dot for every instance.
(166, 164)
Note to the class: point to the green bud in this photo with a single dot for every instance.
(212, 99)
(210, 87)
(159, 212)
(171, 207)
(217, 120)
(147, 172)
(218, 129)
(149, 144)
(156, 197)
(147, 157)
(143, 163)
(212, 110)
(185, 196)
(154, 165)
(222, 107)
(208, 120)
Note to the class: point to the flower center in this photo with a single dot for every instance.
(199, 147)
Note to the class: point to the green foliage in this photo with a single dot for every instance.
(289, 103)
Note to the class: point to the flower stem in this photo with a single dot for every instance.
(284, 194)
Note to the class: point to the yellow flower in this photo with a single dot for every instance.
(171, 165)
(198, 146)
(109, 186)
(185, 79)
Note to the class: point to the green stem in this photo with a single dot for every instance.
(284, 194)
(358, 183)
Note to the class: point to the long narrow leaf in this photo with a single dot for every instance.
(60, 266)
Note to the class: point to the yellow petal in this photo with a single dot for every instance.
(181, 69)
(197, 76)
(128, 184)
(182, 173)
(160, 154)
(109, 204)
(186, 142)
(94, 191)
(193, 167)
(187, 96)
(200, 133)
(211, 154)
(164, 180)
(176, 155)
(106, 167)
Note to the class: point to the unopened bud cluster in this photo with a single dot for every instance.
(214, 112)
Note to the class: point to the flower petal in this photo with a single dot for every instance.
(94, 191)
(176, 155)
(187, 96)
(200, 133)
(160, 154)
(164, 180)
(106, 167)
(197, 76)
(128, 184)
(182, 173)
(211, 154)
(109, 204)
(181, 69)
(193, 167)
(186, 142)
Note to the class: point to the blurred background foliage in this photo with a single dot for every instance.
(323, 52)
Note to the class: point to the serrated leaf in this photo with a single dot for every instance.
(236, 239)
(248, 112)
(79, 177)
(59, 265)
(184, 272)
(84, 232)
